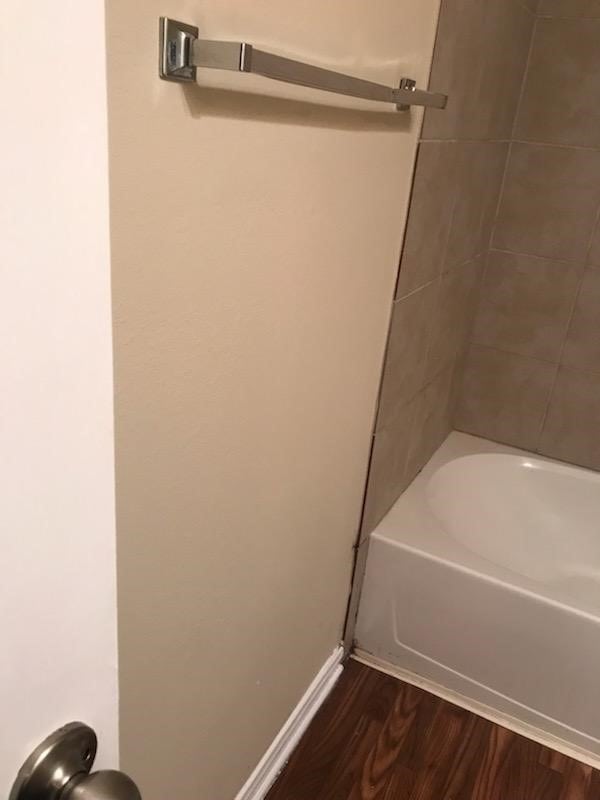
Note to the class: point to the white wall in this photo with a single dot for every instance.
(57, 589)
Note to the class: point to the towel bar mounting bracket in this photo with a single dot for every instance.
(176, 41)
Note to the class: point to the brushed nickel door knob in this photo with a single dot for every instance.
(108, 784)
(60, 769)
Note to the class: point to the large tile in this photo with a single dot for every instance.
(453, 317)
(405, 362)
(431, 208)
(594, 253)
(504, 396)
(456, 69)
(582, 347)
(504, 52)
(572, 426)
(387, 473)
(557, 103)
(525, 304)
(432, 421)
(495, 167)
(479, 181)
(479, 61)
(570, 8)
(550, 201)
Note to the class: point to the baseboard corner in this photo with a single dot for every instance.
(278, 753)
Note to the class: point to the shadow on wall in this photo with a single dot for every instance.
(205, 101)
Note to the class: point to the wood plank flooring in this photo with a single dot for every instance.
(377, 738)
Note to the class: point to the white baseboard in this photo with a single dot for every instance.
(273, 761)
(501, 718)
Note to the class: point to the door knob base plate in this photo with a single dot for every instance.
(67, 752)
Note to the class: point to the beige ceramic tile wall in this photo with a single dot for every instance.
(532, 375)
(462, 158)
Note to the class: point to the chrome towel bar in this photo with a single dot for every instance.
(182, 52)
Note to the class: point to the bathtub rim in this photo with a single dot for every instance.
(412, 509)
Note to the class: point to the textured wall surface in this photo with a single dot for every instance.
(479, 61)
(532, 376)
(255, 242)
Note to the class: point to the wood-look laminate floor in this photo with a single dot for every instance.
(377, 738)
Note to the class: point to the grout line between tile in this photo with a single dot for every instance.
(524, 81)
(592, 237)
(465, 141)
(443, 261)
(414, 291)
(595, 373)
(566, 337)
(411, 195)
(454, 265)
(500, 197)
(508, 352)
(511, 143)
(570, 19)
(452, 268)
(528, 8)
(559, 363)
(558, 145)
(546, 361)
(454, 201)
(567, 331)
(575, 261)
(422, 388)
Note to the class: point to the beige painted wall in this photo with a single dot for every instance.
(255, 246)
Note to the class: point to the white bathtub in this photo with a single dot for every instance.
(484, 580)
